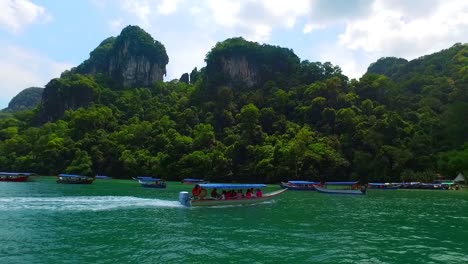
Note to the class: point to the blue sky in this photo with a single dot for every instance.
(40, 39)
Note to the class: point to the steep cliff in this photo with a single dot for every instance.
(66, 93)
(133, 59)
(236, 62)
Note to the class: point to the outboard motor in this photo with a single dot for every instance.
(184, 199)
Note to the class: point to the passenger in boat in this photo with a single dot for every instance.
(214, 193)
(223, 195)
(259, 193)
(240, 195)
(248, 194)
(196, 191)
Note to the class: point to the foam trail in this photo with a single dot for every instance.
(82, 203)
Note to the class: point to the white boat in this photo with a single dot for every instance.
(187, 200)
(340, 191)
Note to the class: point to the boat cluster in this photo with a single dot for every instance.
(233, 194)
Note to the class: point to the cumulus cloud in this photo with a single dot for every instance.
(17, 14)
(400, 31)
(23, 68)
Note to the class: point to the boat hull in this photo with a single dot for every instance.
(14, 179)
(292, 187)
(244, 201)
(76, 182)
(153, 184)
(333, 191)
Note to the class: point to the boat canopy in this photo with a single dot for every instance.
(303, 182)
(380, 183)
(149, 179)
(16, 173)
(231, 185)
(194, 180)
(341, 183)
(71, 175)
(146, 178)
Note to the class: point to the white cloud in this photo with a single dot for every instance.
(116, 24)
(141, 9)
(398, 32)
(23, 68)
(17, 14)
(167, 7)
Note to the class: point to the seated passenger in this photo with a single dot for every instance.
(214, 193)
(248, 194)
(259, 193)
(196, 191)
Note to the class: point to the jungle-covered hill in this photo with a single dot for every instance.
(255, 113)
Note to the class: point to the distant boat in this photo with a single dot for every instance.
(383, 186)
(15, 176)
(102, 177)
(74, 179)
(340, 191)
(187, 200)
(299, 185)
(193, 181)
(137, 178)
(152, 183)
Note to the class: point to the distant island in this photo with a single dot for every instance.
(254, 113)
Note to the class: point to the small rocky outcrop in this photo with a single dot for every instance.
(133, 59)
(27, 99)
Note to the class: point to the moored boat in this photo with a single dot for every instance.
(15, 176)
(299, 185)
(221, 200)
(103, 177)
(74, 179)
(383, 186)
(193, 181)
(323, 189)
(152, 183)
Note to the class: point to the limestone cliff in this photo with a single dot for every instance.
(236, 61)
(133, 59)
(61, 94)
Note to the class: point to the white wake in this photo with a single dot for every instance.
(82, 203)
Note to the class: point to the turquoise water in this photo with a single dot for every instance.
(117, 221)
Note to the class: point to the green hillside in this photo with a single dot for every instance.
(255, 113)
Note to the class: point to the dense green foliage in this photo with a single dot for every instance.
(303, 121)
(27, 99)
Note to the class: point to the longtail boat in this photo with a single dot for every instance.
(103, 177)
(383, 186)
(299, 185)
(74, 179)
(257, 197)
(152, 183)
(14, 176)
(354, 189)
(193, 181)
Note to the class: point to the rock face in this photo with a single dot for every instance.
(62, 94)
(237, 62)
(27, 99)
(239, 69)
(133, 59)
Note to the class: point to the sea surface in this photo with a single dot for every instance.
(117, 221)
